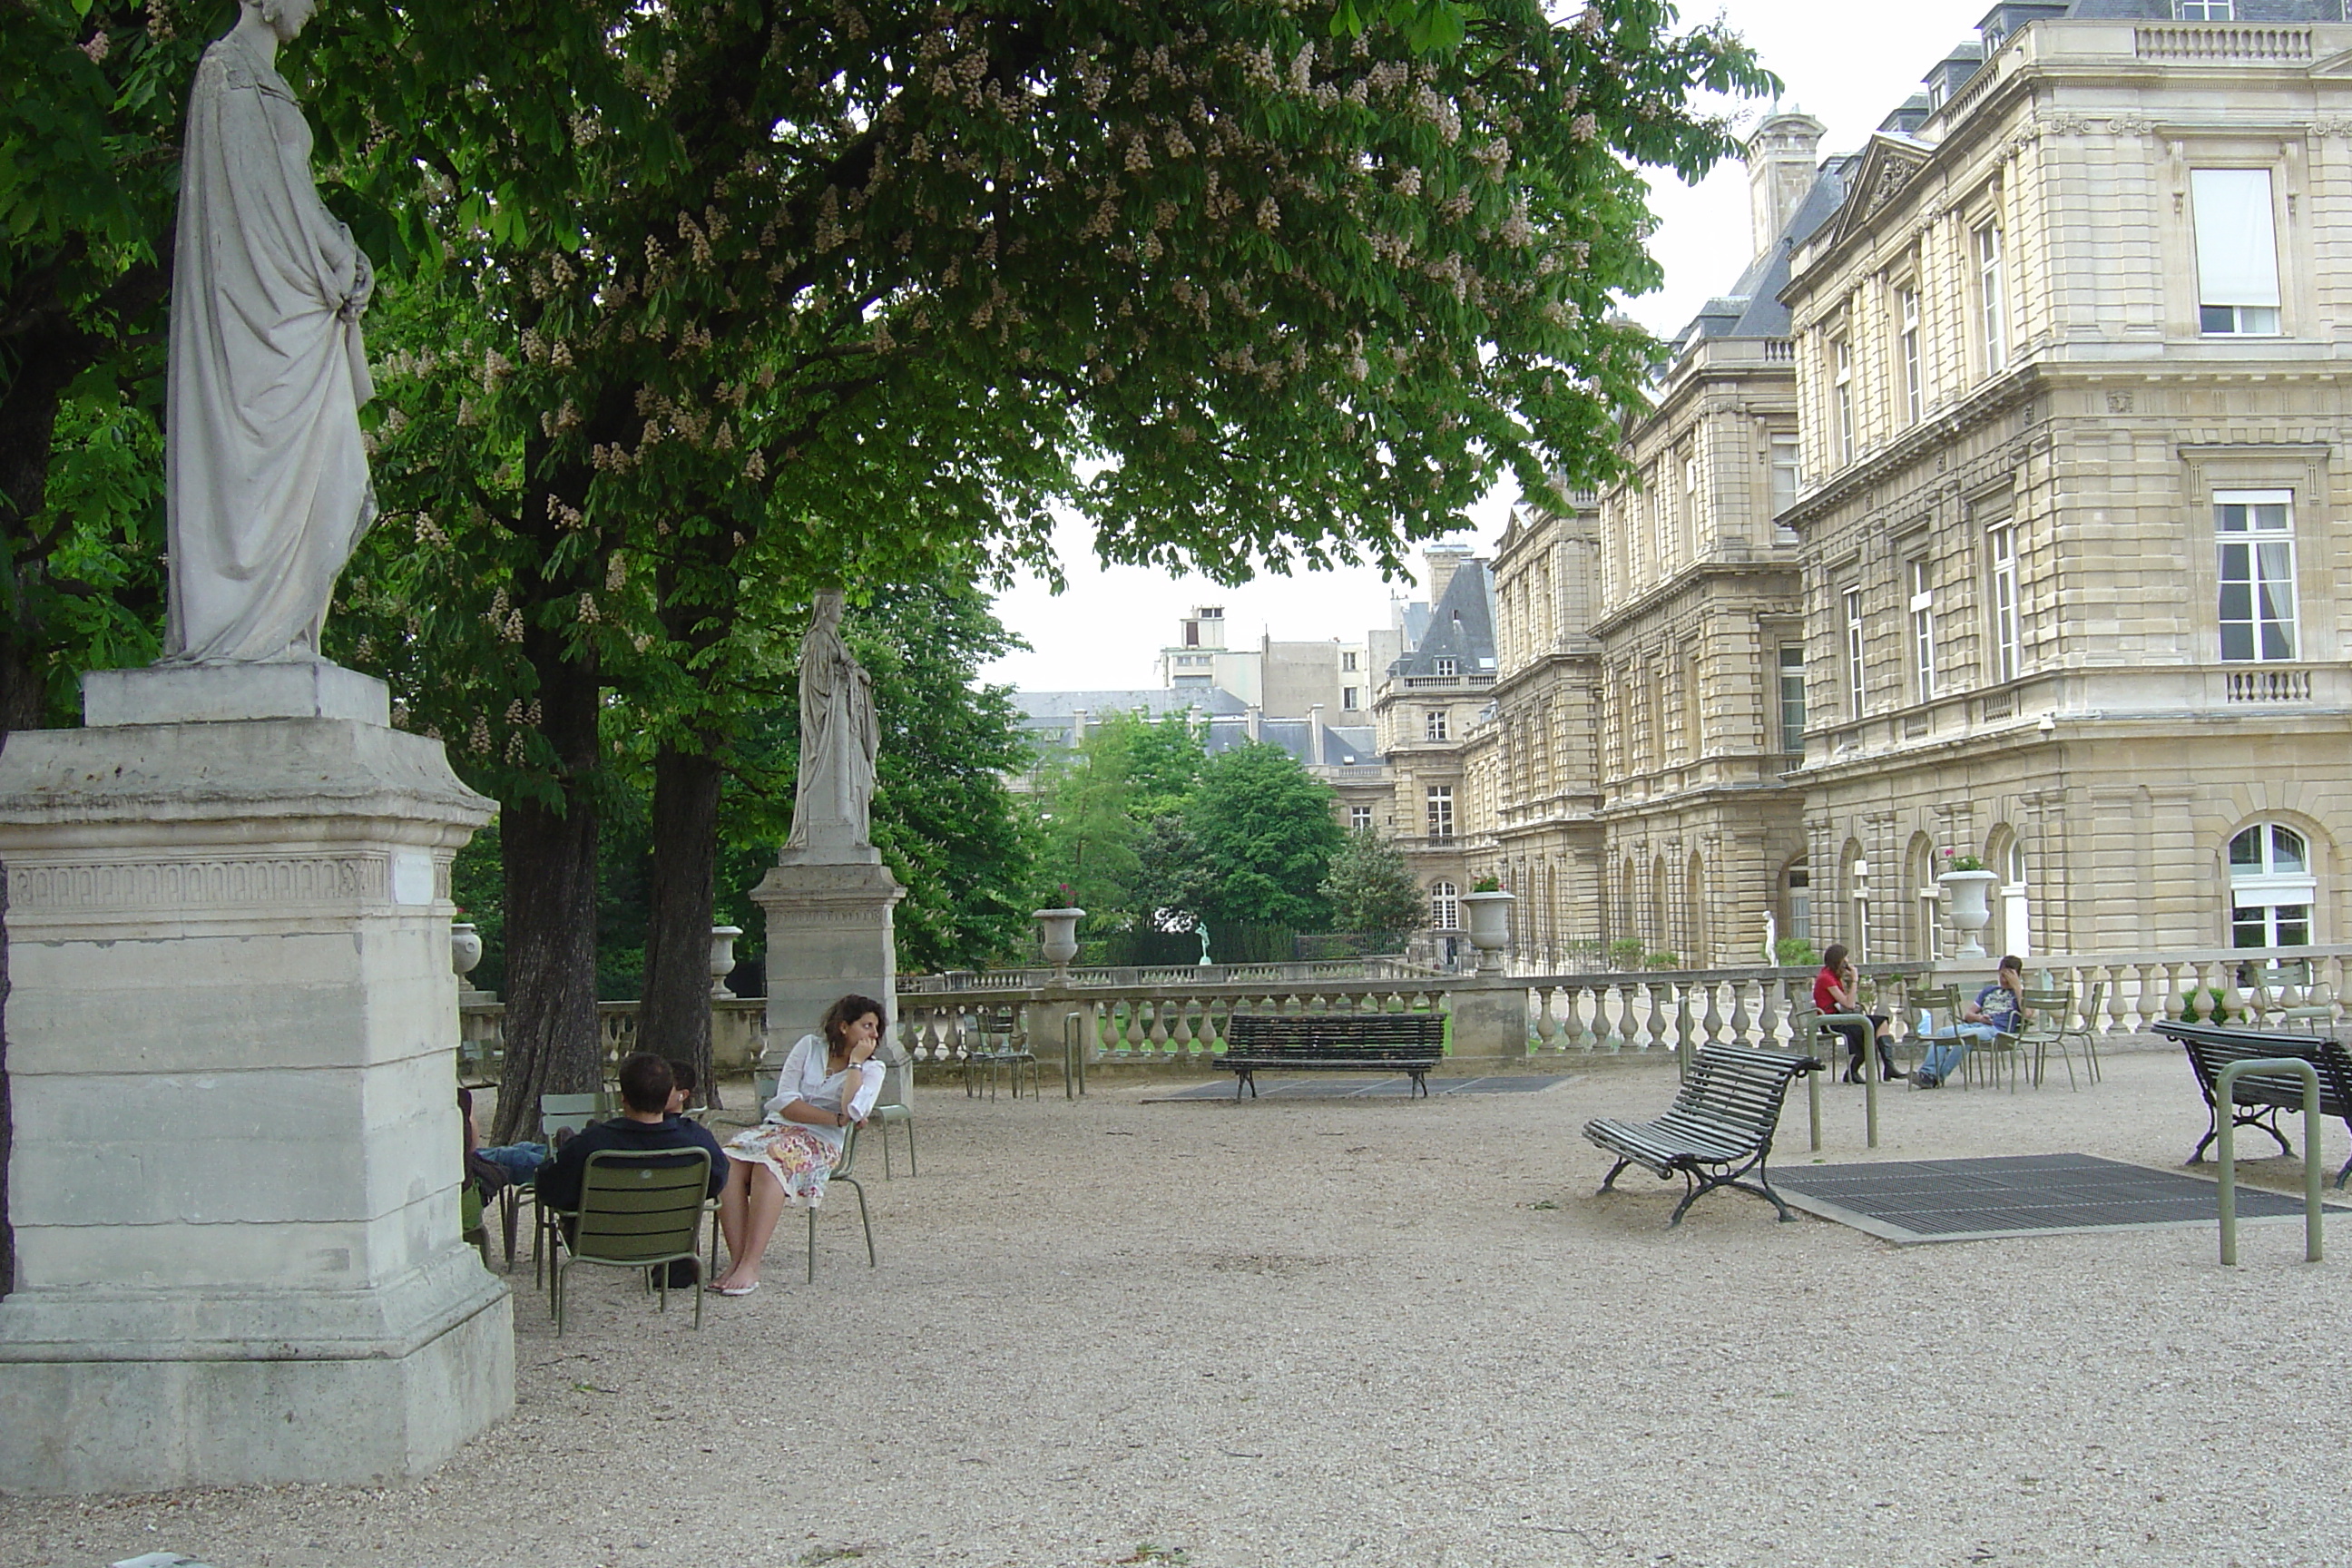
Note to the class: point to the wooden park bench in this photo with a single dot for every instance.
(2257, 1099)
(1718, 1130)
(1409, 1043)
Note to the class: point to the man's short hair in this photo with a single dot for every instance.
(682, 1076)
(2010, 960)
(644, 1082)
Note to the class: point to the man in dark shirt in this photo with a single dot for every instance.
(643, 1127)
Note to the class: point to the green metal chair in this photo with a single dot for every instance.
(841, 1173)
(557, 1113)
(641, 1211)
(1941, 1003)
(888, 1113)
(2087, 1034)
(997, 1044)
(2050, 1009)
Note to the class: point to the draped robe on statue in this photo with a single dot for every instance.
(267, 484)
(832, 804)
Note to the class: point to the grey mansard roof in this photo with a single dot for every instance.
(1461, 626)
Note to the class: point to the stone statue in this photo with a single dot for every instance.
(266, 481)
(833, 807)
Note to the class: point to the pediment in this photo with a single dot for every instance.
(1888, 163)
(2337, 64)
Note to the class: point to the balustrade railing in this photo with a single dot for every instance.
(1177, 1018)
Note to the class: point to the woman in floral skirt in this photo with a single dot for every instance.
(830, 1082)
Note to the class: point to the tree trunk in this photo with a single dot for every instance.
(673, 1009)
(553, 1043)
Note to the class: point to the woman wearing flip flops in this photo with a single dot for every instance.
(830, 1082)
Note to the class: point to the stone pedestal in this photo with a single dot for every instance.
(1490, 1025)
(230, 1036)
(830, 933)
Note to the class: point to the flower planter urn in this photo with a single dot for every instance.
(1060, 928)
(1489, 919)
(465, 947)
(722, 960)
(1969, 911)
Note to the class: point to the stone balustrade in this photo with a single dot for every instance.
(1175, 1018)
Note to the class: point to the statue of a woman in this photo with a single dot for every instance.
(833, 807)
(266, 482)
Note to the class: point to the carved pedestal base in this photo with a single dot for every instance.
(829, 933)
(230, 1033)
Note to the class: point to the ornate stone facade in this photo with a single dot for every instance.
(2070, 543)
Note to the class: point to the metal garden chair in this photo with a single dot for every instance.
(636, 1211)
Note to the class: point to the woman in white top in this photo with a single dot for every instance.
(830, 1082)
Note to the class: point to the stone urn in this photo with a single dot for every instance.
(1969, 911)
(722, 960)
(465, 947)
(1060, 928)
(1488, 916)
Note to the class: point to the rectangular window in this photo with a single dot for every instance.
(2237, 252)
(1992, 302)
(1440, 811)
(1348, 662)
(1841, 397)
(1793, 697)
(1854, 649)
(1359, 818)
(1690, 493)
(2209, 10)
(1444, 669)
(2256, 529)
(1915, 391)
(1923, 628)
(1348, 696)
(2007, 640)
(1435, 726)
(1661, 525)
(1786, 471)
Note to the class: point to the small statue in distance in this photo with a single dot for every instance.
(266, 487)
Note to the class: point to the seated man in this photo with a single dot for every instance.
(645, 1126)
(1997, 1011)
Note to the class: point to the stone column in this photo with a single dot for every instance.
(230, 1049)
(829, 933)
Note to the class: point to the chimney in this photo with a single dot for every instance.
(1783, 158)
(1077, 726)
(1257, 722)
(1315, 733)
(1442, 561)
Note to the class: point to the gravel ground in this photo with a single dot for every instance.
(1385, 1332)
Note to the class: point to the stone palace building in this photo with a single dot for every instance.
(1991, 513)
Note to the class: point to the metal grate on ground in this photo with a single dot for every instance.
(1915, 1201)
(1315, 1086)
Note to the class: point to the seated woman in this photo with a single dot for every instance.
(830, 1082)
(1998, 1010)
(1834, 990)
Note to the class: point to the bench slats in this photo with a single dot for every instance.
(1719, 1128)
(1410, 1043)
(2257, 1099)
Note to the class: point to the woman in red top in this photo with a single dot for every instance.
(1833, 992)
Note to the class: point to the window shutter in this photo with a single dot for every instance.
(2237, 242)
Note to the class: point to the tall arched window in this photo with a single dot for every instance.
(1445, 906)
(2272, 888)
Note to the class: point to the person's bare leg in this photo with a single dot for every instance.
(764, 1207)
(734, 1201)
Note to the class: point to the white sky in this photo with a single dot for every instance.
(1847, 63)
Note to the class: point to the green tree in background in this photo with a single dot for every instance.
(1370, 890)
(1088, 833)
(1267, 839)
